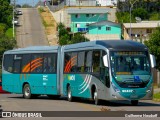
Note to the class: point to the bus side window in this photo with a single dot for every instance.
(81, 56)
(17, 63)
(96, 62)
(88, 61)
(73, 62)
(26, 63)
(67, 63)
(37, 63)
(50, 61)
(8, 63)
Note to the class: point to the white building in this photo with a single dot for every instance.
(139, 31)
(107, 2)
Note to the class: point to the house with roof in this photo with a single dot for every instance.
(80, 2)
(139, 31)
(107, 2)
(93, 23)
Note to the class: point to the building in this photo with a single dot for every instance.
(80, 2)
(107, 2)
(94, 23)
(139, 31)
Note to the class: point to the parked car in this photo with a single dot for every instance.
(15, 22)
(18, 12)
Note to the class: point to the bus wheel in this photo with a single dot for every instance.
(134, 102)
(27, 91)
(95, 98)
(69, 94)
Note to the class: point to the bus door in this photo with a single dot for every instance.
(49, 78)
(16, 72)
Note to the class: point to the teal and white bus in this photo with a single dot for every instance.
(97, 70)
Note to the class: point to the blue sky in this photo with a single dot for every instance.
(30, 2)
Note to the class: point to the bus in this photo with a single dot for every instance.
(31, 71)
(96, 70)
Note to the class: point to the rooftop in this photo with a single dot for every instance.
(101, 23)
(87, 10)
(143, 24)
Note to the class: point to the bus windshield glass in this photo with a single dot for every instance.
(130, 67)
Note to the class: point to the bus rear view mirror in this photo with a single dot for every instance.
(105, 61)
(153, 61)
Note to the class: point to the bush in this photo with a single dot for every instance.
(140, 12)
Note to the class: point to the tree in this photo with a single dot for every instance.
(3, 28)
(140, 12)
(6, 44)
(5, 12)
(26, 6)
(79, 38)
(154, 45)
(64, 36)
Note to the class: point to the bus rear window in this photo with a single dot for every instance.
(8, 63)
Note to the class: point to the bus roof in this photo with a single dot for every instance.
(113, 45)
(32, 49)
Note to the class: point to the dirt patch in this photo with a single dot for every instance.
(49, 24)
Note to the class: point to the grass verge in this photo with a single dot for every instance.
(156, 97)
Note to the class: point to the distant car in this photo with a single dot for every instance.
(15, 22)
(18, 12)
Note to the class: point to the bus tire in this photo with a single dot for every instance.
(69, 94)
(27, 91)
(95, 97)
(134, 102)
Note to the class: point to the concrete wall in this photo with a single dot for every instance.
(62, 16)
(93, 37)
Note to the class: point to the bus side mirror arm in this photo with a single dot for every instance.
(105, 61)
(153, 61)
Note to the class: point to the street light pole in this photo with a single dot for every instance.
(87, 22)
(97, 23)
(131, 15)
(13, 17)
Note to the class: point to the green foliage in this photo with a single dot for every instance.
(124, 17)
(64, 37)
(6, 44)
(154, 16)
(5, 12)
(79, 38)
(41, 10)
(140, 12)
(154, 45)
(9, 33)
(26, 6)
(2, 28)
(156, 96)
(64, 40)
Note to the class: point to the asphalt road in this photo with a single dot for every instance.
(15, 102)
(30, 31)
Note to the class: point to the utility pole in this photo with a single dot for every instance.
(33, 3)
(131, 6)
(13, 17)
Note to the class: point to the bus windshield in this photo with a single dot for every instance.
(128, 67)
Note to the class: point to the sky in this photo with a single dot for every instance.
(30, 2)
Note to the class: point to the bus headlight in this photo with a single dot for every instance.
(115, 88)
(149, 89)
